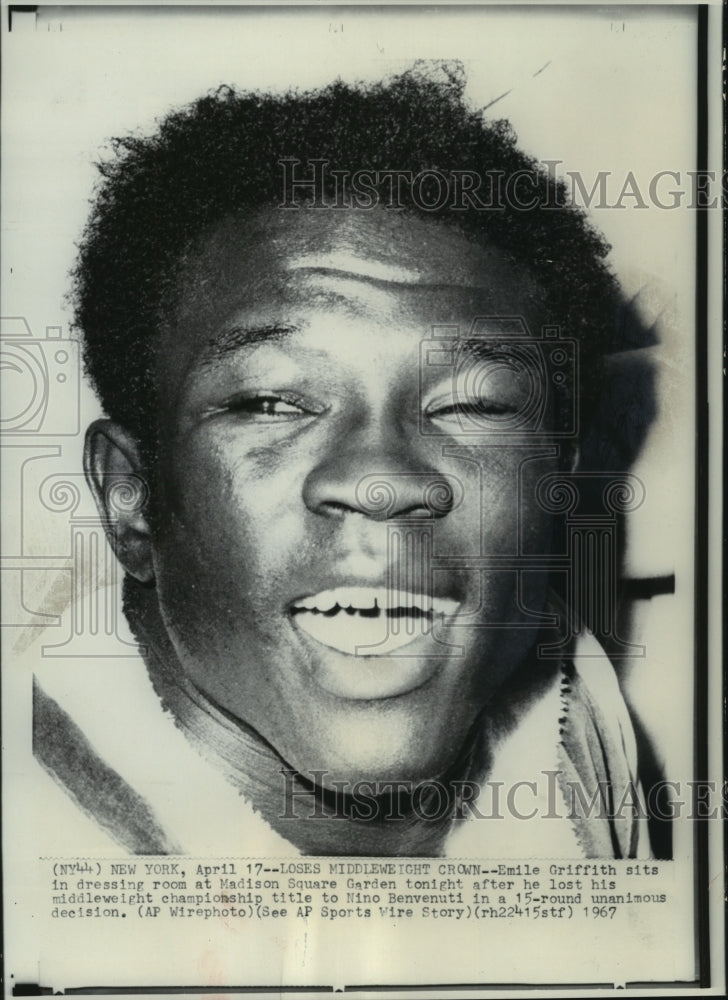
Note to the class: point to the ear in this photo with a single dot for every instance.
(113, 468)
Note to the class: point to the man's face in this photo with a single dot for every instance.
(358, 628)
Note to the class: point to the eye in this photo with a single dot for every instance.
(473, 407)
(494, 389)
(269, 406)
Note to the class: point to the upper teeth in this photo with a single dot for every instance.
(384, 598)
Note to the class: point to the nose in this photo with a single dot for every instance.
(379, 472)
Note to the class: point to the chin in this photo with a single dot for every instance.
(374, 756)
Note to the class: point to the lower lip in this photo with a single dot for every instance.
(402, 656)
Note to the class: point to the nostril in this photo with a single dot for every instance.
(337, 508)
(423, 513)
(376, 512)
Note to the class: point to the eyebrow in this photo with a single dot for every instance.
(495, 346)
(234, 338)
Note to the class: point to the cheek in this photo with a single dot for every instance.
(219, 498)
(225, 535)
(535, 524)
(499, 512)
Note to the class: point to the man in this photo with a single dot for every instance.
(342, 398)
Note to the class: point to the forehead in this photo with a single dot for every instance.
(283, 266)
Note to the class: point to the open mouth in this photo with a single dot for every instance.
(370, 621)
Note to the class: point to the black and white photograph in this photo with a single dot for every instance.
(361, 498)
